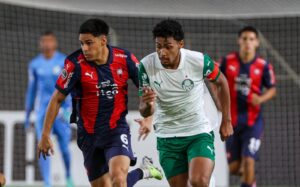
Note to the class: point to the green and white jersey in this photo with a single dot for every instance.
(179, 107)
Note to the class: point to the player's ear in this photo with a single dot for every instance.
(181, 43)
(103, 39)
(257, 42)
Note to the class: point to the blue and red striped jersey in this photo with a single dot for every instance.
(99, 91)
(244, 80)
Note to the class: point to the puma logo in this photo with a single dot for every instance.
(158, 83)
(211, 150)
(232, 68)
(89, 74)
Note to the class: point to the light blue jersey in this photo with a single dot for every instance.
(43, 74)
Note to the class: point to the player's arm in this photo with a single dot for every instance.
(53, 107)
(30, 94)
(269, 83)
(146, 93)
(65, 83)
(212, 72)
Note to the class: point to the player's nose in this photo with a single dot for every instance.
(162, 53)
(84, 48)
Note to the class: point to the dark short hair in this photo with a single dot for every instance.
(47, 33)
(168, 28)
(94, 26)
(248, 29)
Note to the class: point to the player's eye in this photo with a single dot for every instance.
(89, 43)
(169, 47)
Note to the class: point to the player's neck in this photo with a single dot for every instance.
(48, 55)
(246, 57)
(103, 57)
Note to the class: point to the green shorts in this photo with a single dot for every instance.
(176, 153)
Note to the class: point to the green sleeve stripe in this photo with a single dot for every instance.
(208, 65)
(143, 78)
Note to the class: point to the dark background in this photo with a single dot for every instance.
(279, 164)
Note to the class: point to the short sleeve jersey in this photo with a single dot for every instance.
(244, 80)
(180, 93)
(99, 92)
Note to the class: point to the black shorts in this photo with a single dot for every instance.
(97, 151)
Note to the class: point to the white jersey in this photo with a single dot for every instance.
(179, 107)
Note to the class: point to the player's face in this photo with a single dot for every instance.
(92, 45)
(248, 42)
(48, 44)
(168, 50)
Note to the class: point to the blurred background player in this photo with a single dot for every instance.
(43, 73)
(247, 75)
(172, 88)
(96, 76)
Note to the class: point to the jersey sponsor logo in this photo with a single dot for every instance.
(107, 89)
(187, 85)
(121, 55)
(242, 84)
(89, 74)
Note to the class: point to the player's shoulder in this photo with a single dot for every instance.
(120, 52)
(194, 58)
(231, 56)
(35, 61)
(191, 56)
(261, 61)
(191, 53)
(61, 55)
(76, 57)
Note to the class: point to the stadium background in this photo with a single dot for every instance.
(211, 29)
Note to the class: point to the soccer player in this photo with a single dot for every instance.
(96, 76)
(43, 73)
(247, 75)
(172, 88)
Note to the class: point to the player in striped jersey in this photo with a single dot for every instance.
(96, 76)
(251, 82)
(172, 88)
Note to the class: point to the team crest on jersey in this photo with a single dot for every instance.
(119, 71)
(64, 73)
(187, 85)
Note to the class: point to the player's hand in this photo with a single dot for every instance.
(2, 180)
(226, 130)
(148, 96)
(27, 123)
(256, 100)
(45, 146)
(145, 128)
